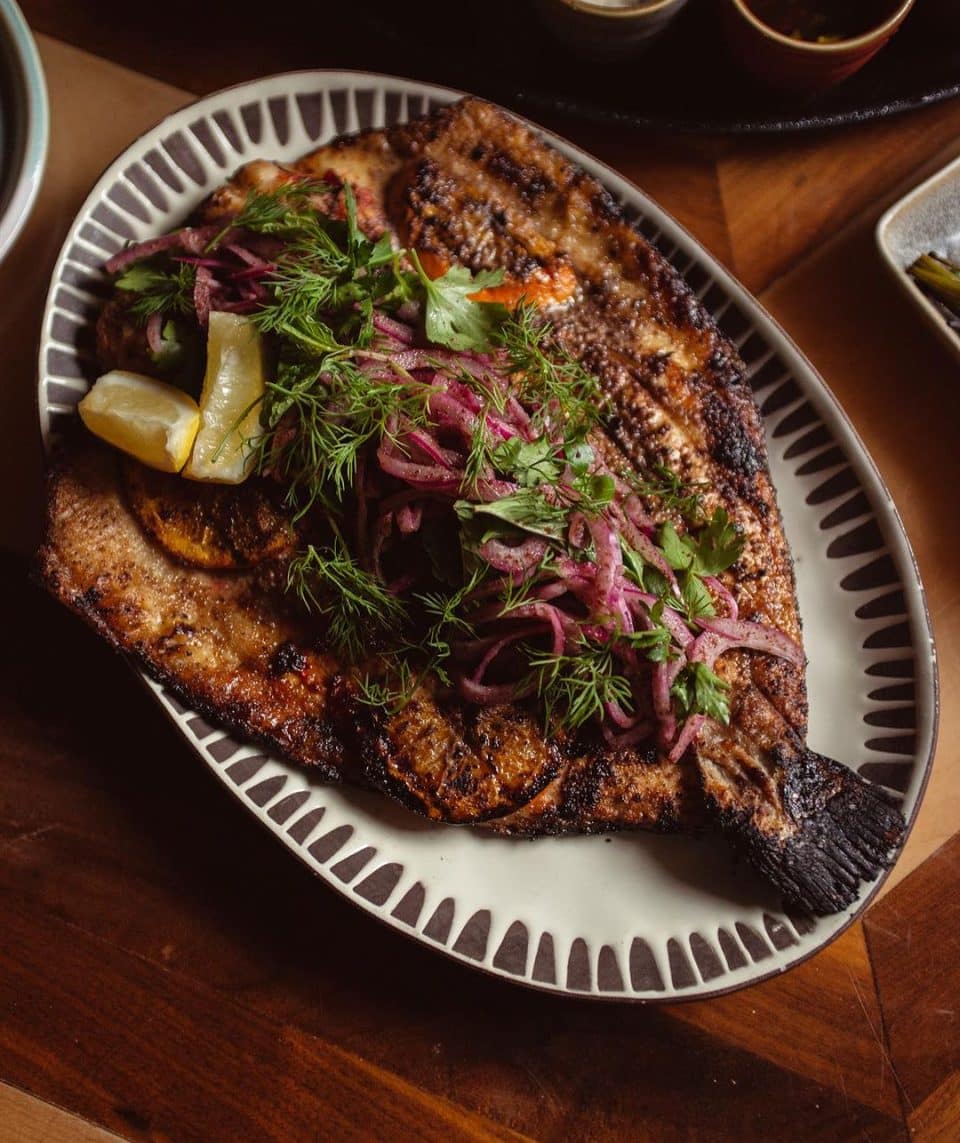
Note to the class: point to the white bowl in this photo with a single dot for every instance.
(926, 220)
(24, 123)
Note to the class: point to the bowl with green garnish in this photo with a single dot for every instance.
(919, 241)
(808, 46)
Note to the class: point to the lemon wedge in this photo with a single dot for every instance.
(147, 418)
(233, 385)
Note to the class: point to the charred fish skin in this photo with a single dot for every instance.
(218, 641)
(842, 829)
(483, 190)
(469, 183)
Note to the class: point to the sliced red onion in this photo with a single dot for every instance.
(155, 332)
(664, 676)
(398, 330)
(618, 715)
(381, 533)
(755, 636)
(184, 239)
(430, 475)
(490, 694)
(201, 294)
(409, 518)
(636, 513)
(641, 731)
(691, 728)
(648, 551)
(562, 625)
(522, 557)
(673, 622)
(720, 592)
(608, 562)
(427, 445)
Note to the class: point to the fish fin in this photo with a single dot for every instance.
(847, 831)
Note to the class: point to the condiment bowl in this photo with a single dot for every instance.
(24, 127)
(608, 29)
(793, 64)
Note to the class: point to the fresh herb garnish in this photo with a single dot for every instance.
(526, 510)
(698, 690)
(356, 605)
(159, 289)
(576, 688)
(452, 318)
(354, 389)
(547, 376)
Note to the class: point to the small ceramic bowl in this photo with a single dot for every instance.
(614, 28)
(24, 127)
(803, 65)
(925, 221)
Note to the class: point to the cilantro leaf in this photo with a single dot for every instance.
(696, 596)
(713, 549)
(452, 318)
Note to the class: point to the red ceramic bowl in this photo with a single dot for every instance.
(802, 65)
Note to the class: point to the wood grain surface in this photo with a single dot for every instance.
(167, 971)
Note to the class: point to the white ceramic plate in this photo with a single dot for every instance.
(24, 126)
(630, 916)
(925, 220)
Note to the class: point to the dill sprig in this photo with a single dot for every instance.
(159, 288)
(685, 497)
(399, 684)
(575, 688)
(334, 410)
(548, 377)
(355, 603)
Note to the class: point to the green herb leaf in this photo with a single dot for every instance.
(160, 290)
(699, 691)
(714, 548)
(452, 318)
(696, 596)
(718, 545)
(528, 462)
(525, 510)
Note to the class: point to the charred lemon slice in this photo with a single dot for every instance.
(233, 387)
(148, 419)
(216, 526)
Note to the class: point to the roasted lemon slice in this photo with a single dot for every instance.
(233, 386)
(149, 419)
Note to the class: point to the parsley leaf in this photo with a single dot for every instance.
(714, 548)
(529, 462)
(699, 691)
(452, 318)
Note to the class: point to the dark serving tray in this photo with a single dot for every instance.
(685, 81)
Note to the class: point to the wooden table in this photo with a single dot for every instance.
(159, 980)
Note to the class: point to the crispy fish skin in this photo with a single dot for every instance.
(470, 184)
(226, 643)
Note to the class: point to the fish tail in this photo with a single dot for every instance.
(847, 831)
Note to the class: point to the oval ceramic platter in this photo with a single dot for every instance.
(635, 917)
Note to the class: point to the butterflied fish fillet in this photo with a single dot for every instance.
(468, 184)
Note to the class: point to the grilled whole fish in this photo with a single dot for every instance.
(469, 185)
